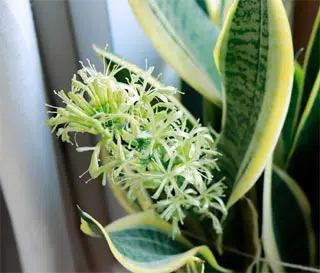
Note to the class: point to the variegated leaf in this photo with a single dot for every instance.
(182, 41)
(255, 57)
(143, 243)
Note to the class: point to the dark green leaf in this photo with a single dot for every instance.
(287, 231)
(311, 64)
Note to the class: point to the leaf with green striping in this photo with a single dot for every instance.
(255, 57)
(289, 128)
(143, 243)
(287, 233)
(185, 43)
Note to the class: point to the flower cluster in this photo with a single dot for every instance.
(148, 142)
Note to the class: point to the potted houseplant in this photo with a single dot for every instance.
(205, 198)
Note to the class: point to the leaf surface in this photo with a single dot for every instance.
(304, 158)
(255, 57)
(290, 126)
(287, 232)
(241, 235)
(306, 140)
(311, 63)
(142, 243)
(185, 37)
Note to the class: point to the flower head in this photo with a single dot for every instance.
(149, 143)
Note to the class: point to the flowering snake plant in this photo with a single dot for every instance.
(204, 197)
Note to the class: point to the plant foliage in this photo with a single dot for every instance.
(206, 199)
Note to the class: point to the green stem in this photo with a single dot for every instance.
(144, 199)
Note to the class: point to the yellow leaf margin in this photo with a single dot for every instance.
(147, 218)
(277, 95)
(173, 50)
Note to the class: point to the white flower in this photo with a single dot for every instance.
(149, 143)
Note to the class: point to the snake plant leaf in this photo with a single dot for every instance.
(311, 64)
(216, 9)
(142, 243)
(289, 5)
(184, 36)
(255, 57)
(306, 139)
(213, 9)
(304, 159)
(287, 234)
(289, 128)
(240, 233)
(264, 268)
(259, 266)
(211, 116)
(203, 4)
(211, 113)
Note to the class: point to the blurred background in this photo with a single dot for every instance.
(41, 43)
